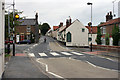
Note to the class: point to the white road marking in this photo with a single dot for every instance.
(109, 59)
(55, 75)
(91, 64)
(77, 53)
(34, 45)
(54, 53)
(31, 54)
(46, 69)
(42, 54)
(66, 53)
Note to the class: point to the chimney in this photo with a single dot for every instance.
(70, 20)
(61, 24)
(67, 23)
(107, 17)
(36, 16)
(111, 16)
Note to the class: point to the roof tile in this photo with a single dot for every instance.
(117, 20)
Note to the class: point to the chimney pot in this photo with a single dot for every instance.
(61, 24)
(67, 23)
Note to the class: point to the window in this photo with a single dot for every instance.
(83, 30)
(68, 37)
(104, 30)
(28, 29)
(89, 39)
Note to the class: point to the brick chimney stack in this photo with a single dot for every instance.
(70, 20)
(36, 16)
(67, 23)
(61, 24)
(109, 16)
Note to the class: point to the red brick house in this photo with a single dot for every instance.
(26, 28)
(108, 26)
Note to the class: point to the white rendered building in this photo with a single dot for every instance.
(1, 37)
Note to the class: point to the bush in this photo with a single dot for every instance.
(98, 39)
(115, 35)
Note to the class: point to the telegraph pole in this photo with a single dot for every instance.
(13, 28)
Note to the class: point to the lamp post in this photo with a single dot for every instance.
(113, 8)
(90, 24)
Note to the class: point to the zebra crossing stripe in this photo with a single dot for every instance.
(77, 53)
(66, 53)
(54, 53)
(31, 54)
(42, 54)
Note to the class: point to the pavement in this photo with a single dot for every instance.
(54, 46)
(22, 67)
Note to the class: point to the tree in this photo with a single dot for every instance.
(115, 35)
(98, 40)
(11, 22)
(44, 28)
(107, 39)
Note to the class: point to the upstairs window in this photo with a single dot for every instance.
(28, 29)
(83, 30)
(104, 30)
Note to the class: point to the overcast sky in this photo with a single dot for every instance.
(56, 11)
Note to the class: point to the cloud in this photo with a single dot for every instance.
(56, 11)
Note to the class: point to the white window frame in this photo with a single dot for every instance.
(28, 29)
(104, 29)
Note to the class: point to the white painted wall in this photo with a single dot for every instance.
(54, 34)
(1, 38)
(79, 38)
(111, 41)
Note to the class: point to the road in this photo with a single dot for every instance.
(64, 63)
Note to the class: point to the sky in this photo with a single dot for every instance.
(55, 11)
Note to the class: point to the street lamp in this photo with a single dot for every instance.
(90, 24)
(113, 8)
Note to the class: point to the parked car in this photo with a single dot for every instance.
(6, 42)
(11, 42)
(24, 42)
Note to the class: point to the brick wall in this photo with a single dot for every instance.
(23, 29)
(107, 48)
(110, 28)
